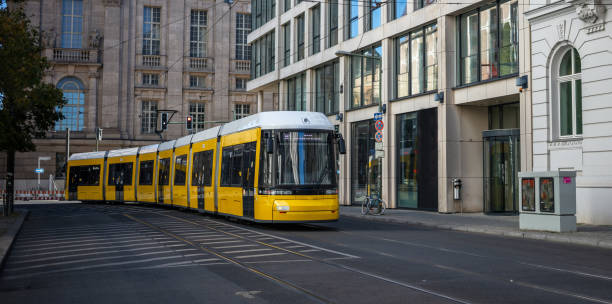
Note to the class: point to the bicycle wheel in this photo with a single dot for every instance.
(365, 206)
(382, 206)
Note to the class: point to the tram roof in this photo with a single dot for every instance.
(148, 149)
(166, 145)
(183, 141)
(205, 135)
(279, 120)
(87, 155)
(123, 152)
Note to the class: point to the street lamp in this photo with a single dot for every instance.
(39, 170)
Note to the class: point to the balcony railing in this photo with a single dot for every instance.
(74, 55)
(241, 66)
(151, 60)
(201, 64)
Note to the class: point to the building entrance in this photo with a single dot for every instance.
(501, 162)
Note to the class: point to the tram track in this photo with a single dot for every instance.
(309, 293)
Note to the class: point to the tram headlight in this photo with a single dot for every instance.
(282, 208)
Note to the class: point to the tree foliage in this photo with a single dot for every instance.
(28, 106)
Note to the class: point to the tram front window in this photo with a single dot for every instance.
(305, 159)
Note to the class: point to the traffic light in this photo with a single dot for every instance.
(164, 121)
(189, 122)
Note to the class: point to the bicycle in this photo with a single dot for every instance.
(373, 205)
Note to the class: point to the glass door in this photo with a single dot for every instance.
(501, 162)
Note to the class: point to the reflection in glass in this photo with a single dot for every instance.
(305, 158)
(547, 195)
(509, 38)
(416, 62)
(469, 48)
(407, 192)
(528, 194)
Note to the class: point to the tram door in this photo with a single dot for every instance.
(248, 179)
(73, 182)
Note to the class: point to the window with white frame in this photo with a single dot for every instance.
(315, 29)
(241, 83)
(148, 116)
(151, 30)
(72, 23)
(569, 93)
(74, 93)
(241, 110)
(243, 28)
(198, 33)
(196, 81)
(196, 110)
(149, 79)
(300, 37)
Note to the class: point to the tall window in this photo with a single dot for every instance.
(241, 110)
(417, 64)
(149, 79)
(286, 44)
(198, 34)
(373, 12)
(264, 11)
(287, 5)
(365, 78)
(570, 94)
(243, 28)
(72, 23)
(327, 81)
(148, 116)
(315, 37)
(241, 83)
(296, 95)
(352, 19)
(488, 42)
(196, 111)
(263, 60)
(74, 94)
(332, 21)
(400, 9)
(151, 30)
(197, 81)
(418, 4)
(300, 37)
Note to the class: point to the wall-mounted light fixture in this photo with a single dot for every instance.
(522, 82)
(439, 97)
(383, 108)
(339, 117)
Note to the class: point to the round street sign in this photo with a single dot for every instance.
(378, 136)
(379, 125)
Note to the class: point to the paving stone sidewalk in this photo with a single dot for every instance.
(505, 225)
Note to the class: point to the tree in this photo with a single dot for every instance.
(28, 106)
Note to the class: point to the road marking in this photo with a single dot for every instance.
(223, 242)
(235, 246)
(78, 241)
(296, 246)
(271, 262)
(57, 257)
(259, 255)
(219, 238)
(94, 248)
(569, 271)
(247, 250)
(561, 292)
(90, 244)
(310, 250)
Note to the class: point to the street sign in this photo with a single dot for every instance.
(378, 136)
(39, 170)
(378, 116)
(379, 125)
(378, 145)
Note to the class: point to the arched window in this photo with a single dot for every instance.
(74, 107)
(569, 94)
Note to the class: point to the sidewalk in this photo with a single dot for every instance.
(504, 225)
(9, 227)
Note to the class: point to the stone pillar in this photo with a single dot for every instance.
(92, 100)
(110, 73)
(175, 51)
(260, 101)
(387, 169)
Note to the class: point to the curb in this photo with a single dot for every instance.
(6, 241)
(533, 235)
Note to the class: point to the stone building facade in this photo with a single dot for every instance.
(572, 93)
(119, 61)
(444, 75)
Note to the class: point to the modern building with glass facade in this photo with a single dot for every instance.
(444, 75)
(119, 61)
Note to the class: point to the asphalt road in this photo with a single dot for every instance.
(88, 253)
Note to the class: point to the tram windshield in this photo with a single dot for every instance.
(305, 158)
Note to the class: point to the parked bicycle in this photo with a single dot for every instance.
(374, 205)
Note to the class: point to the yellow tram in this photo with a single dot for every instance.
(275, 167)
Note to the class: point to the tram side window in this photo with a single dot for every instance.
(180, 170)
(164, 172)
(120, 174)
(202, 168)
(226, 165)
(146, 173)
(236, 171)
(85, 175)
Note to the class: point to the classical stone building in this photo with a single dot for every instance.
(443, 73)
(119, 61)
(572, 99)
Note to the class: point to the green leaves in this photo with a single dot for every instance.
(30, 107)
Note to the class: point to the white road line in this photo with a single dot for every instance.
(222, 242)
(96, 248)
(13, 269)
(195, 254)
(247, 250)
(265, 238)
(215, 239)
(259, 255)
(91, 266)
(57, 257)
(295, 246)
(310, 250)
(569, 271)
(206, 260)
(236, 246)
(90, 244)
(81, 241)
(90, 235)
(281, 242)
(199, 233)
(285, 261)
